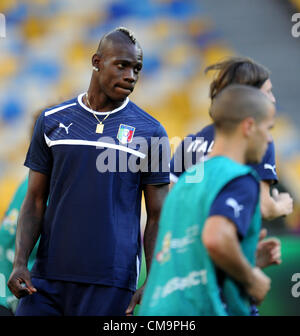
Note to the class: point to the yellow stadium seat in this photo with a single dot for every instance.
(8, 66)
(8, 187)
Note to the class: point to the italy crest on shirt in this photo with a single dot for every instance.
(125, 133)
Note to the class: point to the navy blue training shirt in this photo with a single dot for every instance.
(195, 147)
(237, 202)
(91, 227)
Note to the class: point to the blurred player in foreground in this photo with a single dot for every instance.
(8, 302)
(89, 254)
(204, 260)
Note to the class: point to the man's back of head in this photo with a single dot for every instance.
(236, 103)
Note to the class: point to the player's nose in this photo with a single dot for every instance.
(130, 76)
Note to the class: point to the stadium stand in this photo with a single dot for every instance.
(296, 4)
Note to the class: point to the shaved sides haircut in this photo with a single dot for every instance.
(236, 103)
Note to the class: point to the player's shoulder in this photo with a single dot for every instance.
(144, 119)
(270, 149)
(59, 107)
(246, 186)
(246, 180)
(268, 160)
(206, 132)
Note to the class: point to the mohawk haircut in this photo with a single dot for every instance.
(118, 34)
(127, 32)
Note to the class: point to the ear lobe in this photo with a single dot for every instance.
(96, 62)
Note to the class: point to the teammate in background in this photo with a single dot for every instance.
(8, 303)
(89, 254)
(245, 71)
(204, 260)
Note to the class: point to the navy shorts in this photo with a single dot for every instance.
(61, 298)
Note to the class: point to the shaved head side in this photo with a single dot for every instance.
(236, 103)
(120, 35)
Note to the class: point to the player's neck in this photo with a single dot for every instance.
(100, 102)
(229, 147)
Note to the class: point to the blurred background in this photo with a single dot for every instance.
(46, 59)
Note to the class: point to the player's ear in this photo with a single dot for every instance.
(96, 62)
(248, 126)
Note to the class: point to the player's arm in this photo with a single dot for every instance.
(220, 238)
(154, 198)
(279, 204)
(28, 232)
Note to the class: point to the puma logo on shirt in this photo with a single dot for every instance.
(237, 208)
(65, 127)
(268, 166)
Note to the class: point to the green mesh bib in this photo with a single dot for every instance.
(182, 280)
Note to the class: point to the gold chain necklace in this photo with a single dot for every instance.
(100, 126)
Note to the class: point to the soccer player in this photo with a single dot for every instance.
(8, 302)
(89, 254)
(204, 260)
(194, 147)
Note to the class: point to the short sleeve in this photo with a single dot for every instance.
(267, 168)
(39, 156)
(158, 159)
(237, 202)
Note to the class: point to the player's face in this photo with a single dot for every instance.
(119, 70)
(261, 137)
(267, 90)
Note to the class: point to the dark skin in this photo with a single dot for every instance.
(28, 232)
(154, 198)
(119, 62)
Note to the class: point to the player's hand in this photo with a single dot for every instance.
(19, 282)
(268, 251)
(136, 299)
(259, 286)
(284, 202)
